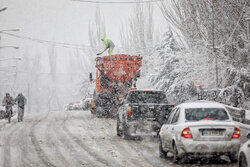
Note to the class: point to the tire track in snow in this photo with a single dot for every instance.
(7, 147)
(22, 140)
(88, 149)
(37, 146)
(132, 148)
(63, 139)
(119, 145)
(53, 143)
(124, 149)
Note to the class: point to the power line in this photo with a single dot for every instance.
(62, 44)
(118, 2)
(68, 45)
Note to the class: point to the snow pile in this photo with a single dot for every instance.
(236, 84)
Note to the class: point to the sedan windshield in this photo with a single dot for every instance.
(197, 114)
(146, 97)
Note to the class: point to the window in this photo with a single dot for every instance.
(176, 116)
(197, 114)
(171, 116)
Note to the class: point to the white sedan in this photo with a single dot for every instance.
(199, 129)
(244, 154)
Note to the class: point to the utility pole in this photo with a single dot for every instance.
(28, 91)
(247, 19)
(214, 49)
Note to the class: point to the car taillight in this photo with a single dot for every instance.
(129, 111)
(186, 133)
(236, 133)
(208, 119)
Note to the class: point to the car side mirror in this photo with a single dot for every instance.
(248, 135)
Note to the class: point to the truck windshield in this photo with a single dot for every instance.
(146, 97)
(197, 114)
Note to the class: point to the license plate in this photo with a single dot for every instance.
(211, 133)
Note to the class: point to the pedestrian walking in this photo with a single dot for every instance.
(21, 101)
(109, 45)
(8, 102)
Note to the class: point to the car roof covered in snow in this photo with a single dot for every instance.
(202, 104)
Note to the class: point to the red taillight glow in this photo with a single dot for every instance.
(236, 133)
(208, 119)
(129, 111)
(186, 133)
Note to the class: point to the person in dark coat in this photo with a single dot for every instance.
(21, 101)
(8, 102)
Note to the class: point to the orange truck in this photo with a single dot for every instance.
(115, 76)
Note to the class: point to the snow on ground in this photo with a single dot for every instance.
(76, 138)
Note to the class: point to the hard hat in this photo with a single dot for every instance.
(102, 38)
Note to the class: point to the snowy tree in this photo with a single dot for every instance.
(97, 29)
(204, 26)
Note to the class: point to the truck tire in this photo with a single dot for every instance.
(233, 157)
(118, 131)
(125, 133)
(98, 112)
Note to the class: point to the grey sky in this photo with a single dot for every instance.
(64, 20)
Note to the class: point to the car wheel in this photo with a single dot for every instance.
(243, 161)
(118, 131)
(162, 153)
(233, 157)
(175, 158)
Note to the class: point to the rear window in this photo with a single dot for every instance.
(197, 114)
(146, 97)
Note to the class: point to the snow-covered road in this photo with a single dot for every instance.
(74, 139)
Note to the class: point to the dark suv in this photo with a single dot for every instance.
(142, 113)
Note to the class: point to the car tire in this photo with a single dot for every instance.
(175, 158)
(242, 161)
(233, 157)
(162, 153)
(118, 131)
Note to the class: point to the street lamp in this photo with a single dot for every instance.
(3, 9)
(14, 47)
(7, 66)
(16, 29)
(15, 58)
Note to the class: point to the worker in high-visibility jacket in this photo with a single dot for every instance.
(109, 45)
